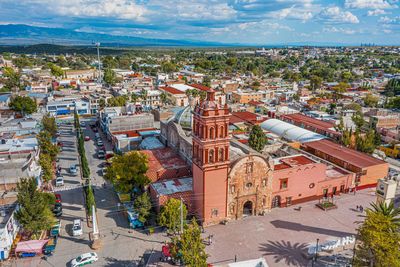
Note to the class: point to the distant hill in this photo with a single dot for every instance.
(20, 34)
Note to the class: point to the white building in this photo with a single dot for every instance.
(66, 106)
(9, 228)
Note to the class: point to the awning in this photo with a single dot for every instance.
(31, 246)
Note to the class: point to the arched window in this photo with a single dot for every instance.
(211, 156)
(221, 154)
(221, 132)
(211, 136)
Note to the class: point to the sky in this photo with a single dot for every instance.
(227, 21)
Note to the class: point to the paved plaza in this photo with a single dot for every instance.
(283, 235)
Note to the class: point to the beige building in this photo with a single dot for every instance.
(245, 96)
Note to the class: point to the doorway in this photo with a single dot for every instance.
(248, 208)
(276, 202)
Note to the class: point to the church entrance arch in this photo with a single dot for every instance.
(248, 208)
(276, 202)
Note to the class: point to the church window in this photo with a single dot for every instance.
(221, 132)
(284, 183)
(232, 189)
(249, 167)
(221, 154)
(264, 201)
(211, 136)
(211, 156)
(249, 185)
(264, 182)
(214, 212)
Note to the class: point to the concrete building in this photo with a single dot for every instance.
(67, 106)
(9, 228)
(175, 97)
(245, 96)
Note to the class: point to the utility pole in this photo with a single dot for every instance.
(98, 60)
(181, 216)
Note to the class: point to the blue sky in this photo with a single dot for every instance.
(229, 21)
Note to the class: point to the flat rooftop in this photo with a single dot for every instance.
(291, 162)
(169, 187)
(319, 124)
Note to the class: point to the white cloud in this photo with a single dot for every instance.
(387, 20)
(119, 9)
(387, 31)
(376, 12)
(371, 4)
(339, 30)
(292, 13)
(334, 14)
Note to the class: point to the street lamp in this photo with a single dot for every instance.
(316, 254)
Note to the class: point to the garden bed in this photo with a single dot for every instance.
(326, 206)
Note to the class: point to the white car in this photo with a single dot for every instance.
(86, 258)
(59, 181)
(100, 142)
(77, 228)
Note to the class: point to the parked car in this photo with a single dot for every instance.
(87, 138)
(57, 209)
(97, 135)
(77, 228)
(58, 198)
(101, 154)
(100, 142)
(95, 130)
(73, 169)
(86, 258)
(83, 124)
(59, 181)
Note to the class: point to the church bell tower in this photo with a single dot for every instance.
(210, 159)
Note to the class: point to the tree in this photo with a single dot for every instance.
(190, 246)
(371, 100)
(46, 146)
(118, 101)
(392, 88)
(23, 104)
(34, 213)
(56, 71)
(164, 98)
(49, 124)
(142, 205)
(315, 82)
(168, 67)
(341, 88)
(379, 240)
(12, 79)
(110, 77)
(366, 143)
(257, 139)
(170, 215)
(389, 211)
(47, 167)
(128, 171)
(358, 120)
(347, 76)
(90, 201)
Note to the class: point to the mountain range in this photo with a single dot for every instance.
(20, 34)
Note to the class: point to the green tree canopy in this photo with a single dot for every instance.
(142, 205)
(34, 213)
(23, 104)
(392, 88)
(12, 79)
(49, 124)
(46, 145)
(371, 101)
(257, 139)
(128, 171)
(190, 246)
(170, 215)
(118, 101)
(55, 70)
(379, 240)
(315, 82)
(47, 167)
(110, 77)
(168, 67)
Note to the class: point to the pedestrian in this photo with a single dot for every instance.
(209, 240)
(361, 209)
(358, 208)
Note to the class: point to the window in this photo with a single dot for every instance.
(288, 201)
(221, 132)
(249, 185)
(249, 167)
(232, 189)
(264, 182)
(221, 154)
(211, 136)
(284, 184)
(211, 156)
(214, 213)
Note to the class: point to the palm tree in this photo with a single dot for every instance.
(389, 211)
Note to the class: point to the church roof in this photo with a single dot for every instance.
(184, 117)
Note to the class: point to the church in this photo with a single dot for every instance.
(220, 178)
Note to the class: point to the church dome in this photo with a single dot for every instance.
(184, 117)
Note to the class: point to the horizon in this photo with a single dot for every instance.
(231, 22)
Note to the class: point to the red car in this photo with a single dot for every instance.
(58, 198)
(59, 143)
(87, 138)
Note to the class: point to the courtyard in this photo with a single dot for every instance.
(284, 234)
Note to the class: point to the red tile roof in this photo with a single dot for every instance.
(172, 90)
(246, 116)
(353, 157)
(255, 103)
(311, 122)
(200, 87)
